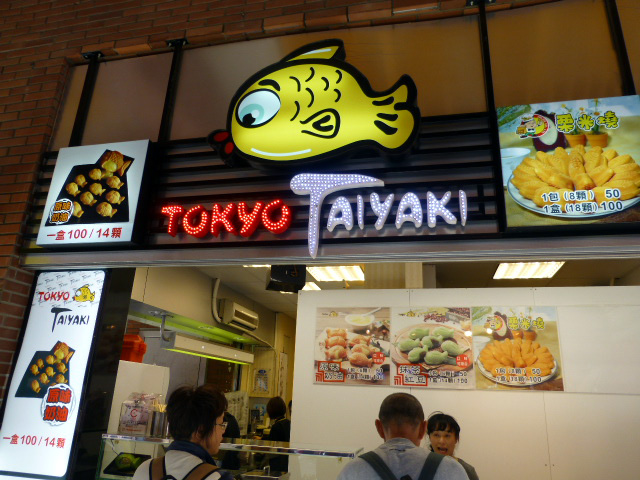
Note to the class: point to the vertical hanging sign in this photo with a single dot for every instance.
(41, 410)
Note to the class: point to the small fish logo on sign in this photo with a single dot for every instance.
(312, 105)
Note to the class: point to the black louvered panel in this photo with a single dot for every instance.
(452, 154)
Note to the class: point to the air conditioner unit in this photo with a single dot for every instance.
(237, 316)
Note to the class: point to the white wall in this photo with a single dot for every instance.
(589, 431)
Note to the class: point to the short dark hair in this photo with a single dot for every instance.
(439, 421)
(401, 408)
(194, 410)
(276, 407)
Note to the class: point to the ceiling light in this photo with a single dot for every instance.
(349, 273)
(527, 270)
(311, 286)
(257, 266)
(193, 346)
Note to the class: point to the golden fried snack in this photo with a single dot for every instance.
(519, 353)
(77, 210)
(80, 180)
(364, 349)
(95, 174)
(332, 341)
(620, 160)
(60, 378)
(87, 199)
(337, 352)
(111, 161)
(580, 149)
(40, 363)
(628, 189)
(360, 360)
(359, 339)
(50, 359)
(528, 189)
(121, 170)
(593, 160)
(601, 174)
(96, 189)
(114, 197)
(35, 386)
(61, 367)
(528, 169)
(538, 195)
(44, 379)
(627, 167)
(49, 371)
(553, 177)
(577, 173)
(72, 189)
(560, 160)
(114, 182)
(106, 210)
(62, 348)
(631, 176)
(337, 332)
(34, 369)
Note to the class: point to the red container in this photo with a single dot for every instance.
(133, 349)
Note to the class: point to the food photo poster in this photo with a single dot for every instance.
(483, 347)
(572, 162)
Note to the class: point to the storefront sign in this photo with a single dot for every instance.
(45, 390)
(439, 347)
(312, 105)
(94, 195)
(571, 162)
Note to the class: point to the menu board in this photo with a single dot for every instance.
(573, 162)
(41, 409)
(487, 347)
(94, 194)
(517, 347)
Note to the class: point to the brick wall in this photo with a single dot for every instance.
(39, 39)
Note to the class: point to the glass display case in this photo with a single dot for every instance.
(120, 455)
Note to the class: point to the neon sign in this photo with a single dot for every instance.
(198, 221)
(276, 216)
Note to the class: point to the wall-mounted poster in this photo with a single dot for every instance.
(432, 347)
(352, 346)
(45, 390)
(573, 162)
(94, 193)
(517, 348)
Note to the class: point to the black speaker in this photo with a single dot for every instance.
(286, 278)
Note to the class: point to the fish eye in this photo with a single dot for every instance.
(258, 108)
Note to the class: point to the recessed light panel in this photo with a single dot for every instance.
(527, 270)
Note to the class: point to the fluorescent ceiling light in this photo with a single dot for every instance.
(349, 273)
(201, 348)
(527, 270)
(257, 266)
(311, 286)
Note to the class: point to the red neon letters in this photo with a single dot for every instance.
(198, 221)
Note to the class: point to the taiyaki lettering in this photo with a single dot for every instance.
(312, 105)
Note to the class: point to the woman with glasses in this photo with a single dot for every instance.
(196, 423)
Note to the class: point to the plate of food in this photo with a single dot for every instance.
(46, 368)
(564, 177)
(517, 363)
(352, 349)
(433, 346)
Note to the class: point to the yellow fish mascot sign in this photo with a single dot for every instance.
(312, 105)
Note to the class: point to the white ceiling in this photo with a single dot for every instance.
(252, 282)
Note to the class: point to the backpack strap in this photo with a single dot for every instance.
(430, 466)
(378, 465)
(200, 472)
(157, 469)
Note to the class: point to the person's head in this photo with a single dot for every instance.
(276, 408)
(401, 415)
(196, 415)
(444, 433)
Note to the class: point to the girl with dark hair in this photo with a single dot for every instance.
(196, 423)
(444, 434)
(280, 431)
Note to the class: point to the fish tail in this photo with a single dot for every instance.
(396, 116)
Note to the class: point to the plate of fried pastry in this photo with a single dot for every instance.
(565, 178)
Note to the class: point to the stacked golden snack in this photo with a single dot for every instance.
(52, 367)
(518, 353)
(356, 348)
(565, 172)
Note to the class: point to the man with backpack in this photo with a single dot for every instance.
(196, 423)
(402, 426)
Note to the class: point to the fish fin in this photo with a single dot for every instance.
(222, 144)
(397, 116)
(323, 50)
